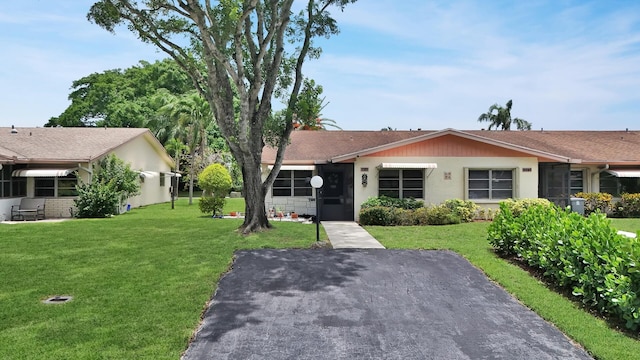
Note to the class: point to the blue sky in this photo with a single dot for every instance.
(406, 64)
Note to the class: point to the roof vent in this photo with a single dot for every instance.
(13, 129)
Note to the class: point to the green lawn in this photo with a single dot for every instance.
(470, 241)
(140, 281)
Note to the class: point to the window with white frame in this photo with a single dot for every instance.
(292, 183)
(491, 184)
(401, 183)
(60, 186)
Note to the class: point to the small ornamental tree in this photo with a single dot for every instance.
(112, 184)
(216, 183)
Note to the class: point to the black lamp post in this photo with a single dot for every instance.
(316, 183)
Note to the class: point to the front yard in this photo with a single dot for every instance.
(140, 281)
(470, 240)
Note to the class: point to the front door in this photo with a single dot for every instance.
(336, 195)
(554, 183)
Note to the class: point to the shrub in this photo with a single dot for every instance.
(594, 202)
(96, 200)
(463, 209)
(628, 206)
(403, 217)
(441, 215)
(518, 206)
(112, 184)
(216, 183)
(584, 255)
(376, 215)
(385, 201)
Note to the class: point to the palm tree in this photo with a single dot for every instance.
(192, 114)
(308, 108)
(500, 118)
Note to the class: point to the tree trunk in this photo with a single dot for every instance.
(254, 195)
(191, 178)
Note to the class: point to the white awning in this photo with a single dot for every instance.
(173, 174)
(295, 167)
(625, 173)
(148, 174)
(42, 172)
(408, 166)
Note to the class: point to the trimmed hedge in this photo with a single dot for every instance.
(594, 202)
(584, 255)
(385, 201)
(385, 211)
(628, 206)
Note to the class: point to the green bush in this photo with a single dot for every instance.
(518, 206)
(441, 215)
(211, 205)
(584, 255)
(112, 184)
(216, 184)
(594, 202)
(385, 201)
(376, 215)
(463, 209)
(96, 200)
(628, 206)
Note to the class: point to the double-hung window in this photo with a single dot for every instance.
(292, 183)
(401, 183)
(491, 184)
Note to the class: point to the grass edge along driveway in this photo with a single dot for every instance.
(469, 240)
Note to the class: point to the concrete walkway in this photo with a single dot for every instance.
(348, 234)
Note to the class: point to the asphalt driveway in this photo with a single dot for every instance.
(368, 304)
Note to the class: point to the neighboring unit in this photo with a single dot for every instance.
(483, 166)
(47, 163)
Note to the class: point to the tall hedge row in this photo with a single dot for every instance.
(584, 255)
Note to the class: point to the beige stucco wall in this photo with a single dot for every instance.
(142, 156)
(439, 189)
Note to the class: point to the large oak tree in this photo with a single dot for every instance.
(234, 48)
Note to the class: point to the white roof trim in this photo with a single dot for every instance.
(42, 172)
(295, 167)
(408, 166)
(625, 173)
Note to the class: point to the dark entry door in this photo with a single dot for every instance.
(336, 199)
(554, 183)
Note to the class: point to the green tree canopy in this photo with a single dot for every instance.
(122, 98)
(500, 118)
(234, 49)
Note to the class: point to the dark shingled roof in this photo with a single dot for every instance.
(64, 144)
(584, 146)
